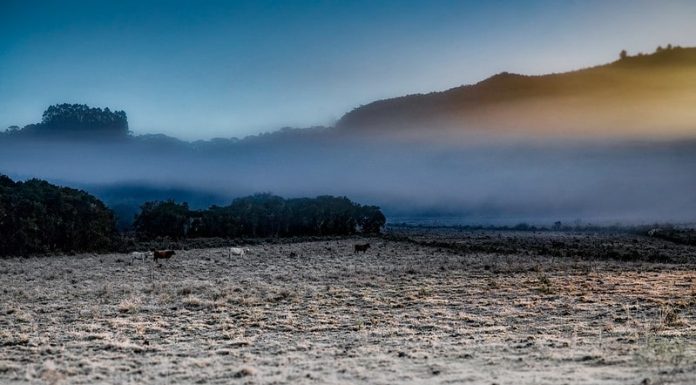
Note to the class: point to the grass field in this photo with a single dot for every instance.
(467, 307)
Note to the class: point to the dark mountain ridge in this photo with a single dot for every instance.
(596, 97)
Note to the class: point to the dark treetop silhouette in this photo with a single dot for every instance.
(37, 217)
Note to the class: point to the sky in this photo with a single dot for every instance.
(204, 69)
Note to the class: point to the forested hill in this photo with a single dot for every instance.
(633, 95)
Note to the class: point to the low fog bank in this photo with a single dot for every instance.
(483, 183)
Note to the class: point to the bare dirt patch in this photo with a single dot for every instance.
(316, 312)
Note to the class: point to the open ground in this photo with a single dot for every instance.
(417, 307)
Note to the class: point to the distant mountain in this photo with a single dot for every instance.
(635, 95)
(415, 155)
(644, 96)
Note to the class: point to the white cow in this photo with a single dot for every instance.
(141, 255)
(237, 251)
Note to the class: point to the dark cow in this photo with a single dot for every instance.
(361, 247)
(162, 254)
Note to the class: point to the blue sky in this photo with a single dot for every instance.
(202, 69)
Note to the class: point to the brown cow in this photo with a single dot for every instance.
(358, 247)
(162, 254)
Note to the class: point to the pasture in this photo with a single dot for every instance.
(403, 311)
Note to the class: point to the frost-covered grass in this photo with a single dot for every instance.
(315, 312)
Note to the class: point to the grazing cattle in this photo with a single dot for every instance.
(141, 255)
(361, 247)
(238, 251)
(162, 254)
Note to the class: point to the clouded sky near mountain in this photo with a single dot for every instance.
(223, 68)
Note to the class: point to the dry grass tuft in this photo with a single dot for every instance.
(129, 305)
(669, 317)
(545, 286)
(245, 372)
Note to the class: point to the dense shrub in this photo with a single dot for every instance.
(260, 215)
(38, 217)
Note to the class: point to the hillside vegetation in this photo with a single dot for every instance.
(634, 95)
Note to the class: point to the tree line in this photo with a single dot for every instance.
(259, 215)
(37, 217)
(76, 121)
